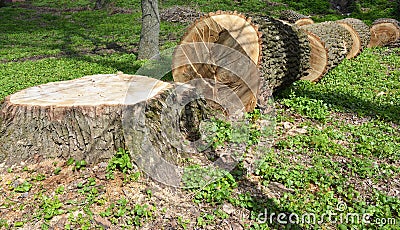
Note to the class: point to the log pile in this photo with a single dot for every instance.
(384, 31)
(232, 62)
(213, 49)
(295, 18)
(337, 42)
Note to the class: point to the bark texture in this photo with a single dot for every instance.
(336, 40)
(150, 32)
(285, 54)
(295, 18)
(356, 46)
(223, 50)
(361, 28)
(90, 118)
(384, 31)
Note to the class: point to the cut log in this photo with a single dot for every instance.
(384, 31)
(356, 47)
(337, 42)
(218, 48)
(295, 18)
(285, 54)
(361, 28)
(91, 117)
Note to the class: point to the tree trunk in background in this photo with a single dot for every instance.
(149, 36)
(100, 4)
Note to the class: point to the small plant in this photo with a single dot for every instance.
(312, 108)
(24, 187)
(120, 161)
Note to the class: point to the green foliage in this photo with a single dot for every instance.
(217, 191)
(24, 187)
(49, 207)
(312, 108)
(133, 215)
(120, 161)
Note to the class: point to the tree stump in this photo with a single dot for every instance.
(384, 31)
(91, 117)
(223, 49)
(296, 18)
(337, 43)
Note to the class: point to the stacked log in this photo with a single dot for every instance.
(360, 27)
(213, 49)
(296, 18)
(330, 44)
(384, 31)
(285, 53)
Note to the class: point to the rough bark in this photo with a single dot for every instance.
(384, 31)
(285, 54)
(100, 4)
(336, 40)
(223, 49)
(361, 28)
(295, 18)
(150, 32)
(90, 118)
(356, 46)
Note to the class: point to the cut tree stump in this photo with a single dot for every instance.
(91, 117)
(328, 39)
(223, 49)
(360, 27)
(384, 31)
(295, 18)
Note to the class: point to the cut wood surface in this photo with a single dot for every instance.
(384, 31)
(89, 118)
(361, 28)
(337, 42)
(217, 48)
(295, 18)
(356, 47)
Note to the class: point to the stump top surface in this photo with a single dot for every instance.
(102, 89)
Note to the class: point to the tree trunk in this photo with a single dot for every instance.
(223, 50)
(285, 53)
(100, 4)
(384, 31)
(356, 46)
(295, 18)
(361, 28)
(91, 117)
(150, 32)
(337, 42)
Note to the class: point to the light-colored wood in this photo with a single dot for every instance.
(356, 47)
(383, 34)
(318, 59)
(90, 91)
(91, 117)
(304, 21)
(213, 49)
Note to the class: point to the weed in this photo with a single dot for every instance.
(120, 161)
(24, 187)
